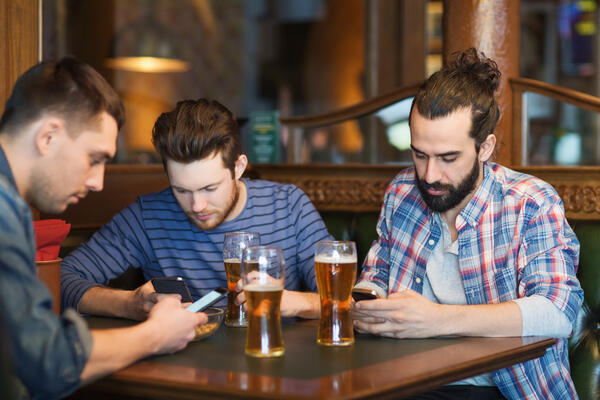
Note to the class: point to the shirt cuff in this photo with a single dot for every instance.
(83, 347)
(542, 318)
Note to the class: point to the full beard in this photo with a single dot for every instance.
(454, 195)
(219, 216)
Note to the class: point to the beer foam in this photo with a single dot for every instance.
(337, 259)
(270, 287)
(232, 260)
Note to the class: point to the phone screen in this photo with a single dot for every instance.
(210, 298)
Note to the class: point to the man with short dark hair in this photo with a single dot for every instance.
(58, 129)
(468, 247)
(180, 230)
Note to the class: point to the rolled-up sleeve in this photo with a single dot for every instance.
(548, 260)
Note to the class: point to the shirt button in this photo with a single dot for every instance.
(431, 242)
(418, 280)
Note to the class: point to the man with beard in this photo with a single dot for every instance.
(180, 230)
(468, 247)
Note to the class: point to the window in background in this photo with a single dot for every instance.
(558, 46)
(294, 57)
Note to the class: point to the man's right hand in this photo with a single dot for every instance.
(173, 323)
(143, 300)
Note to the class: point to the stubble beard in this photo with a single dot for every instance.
(42, 194)
(219, 216)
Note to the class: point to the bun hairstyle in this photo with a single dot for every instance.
(469, 81)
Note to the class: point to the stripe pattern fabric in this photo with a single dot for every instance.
(154, 233)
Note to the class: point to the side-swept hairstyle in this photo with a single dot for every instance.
(196, 129)
(68, 88)
(469, 81)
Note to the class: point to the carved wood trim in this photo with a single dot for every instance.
(348, 188)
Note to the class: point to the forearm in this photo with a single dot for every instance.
(108, 353)
(109, 302)
(503, 319)
(300, 304)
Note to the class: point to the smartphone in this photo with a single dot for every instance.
(359, 294)
(208, 299)
(170, 285)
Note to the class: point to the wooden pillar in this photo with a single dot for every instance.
(491, 26)
(18, 45)
(18, 41)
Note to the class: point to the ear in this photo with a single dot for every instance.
(240, 166)
(48, 134)
(487, 148)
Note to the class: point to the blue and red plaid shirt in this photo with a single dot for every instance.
(513, 241)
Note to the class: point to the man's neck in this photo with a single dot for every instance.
(241, 201)
(450, 216)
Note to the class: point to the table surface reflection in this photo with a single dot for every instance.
(373, 367)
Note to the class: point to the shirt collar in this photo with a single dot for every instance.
(5, 169)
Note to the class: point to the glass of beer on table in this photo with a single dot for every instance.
(335, 269)
(263, 277)
(234, 245)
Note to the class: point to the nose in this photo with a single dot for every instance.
(95, 181)
(198, 202)
(432, 174)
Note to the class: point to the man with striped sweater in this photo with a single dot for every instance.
(180, 230)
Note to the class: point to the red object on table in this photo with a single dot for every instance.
(49, 234)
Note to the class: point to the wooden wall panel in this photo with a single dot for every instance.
(18, 41)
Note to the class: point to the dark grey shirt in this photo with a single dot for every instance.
(47, 352)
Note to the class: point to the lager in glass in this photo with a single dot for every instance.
(335, 269)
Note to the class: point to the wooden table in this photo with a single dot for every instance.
(373, 368)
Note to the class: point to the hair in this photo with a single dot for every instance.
(468, 82)
(69, 89)
(194, 130)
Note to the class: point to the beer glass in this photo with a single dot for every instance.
(335, 269)
(234, 245)
(263, 276)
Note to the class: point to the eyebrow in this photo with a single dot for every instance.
(193, 190)
(447, 154)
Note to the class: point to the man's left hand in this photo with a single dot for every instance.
(405, 314)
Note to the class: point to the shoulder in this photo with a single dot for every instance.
(151, 203)
(402, 186)
(257, 187)
(519, 186)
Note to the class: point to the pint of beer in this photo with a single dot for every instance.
(234, 245)
(335, 269)
(263, 276)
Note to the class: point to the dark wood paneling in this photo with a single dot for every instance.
(18, 41)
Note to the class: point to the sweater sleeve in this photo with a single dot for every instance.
(115, 247)
(310, 229)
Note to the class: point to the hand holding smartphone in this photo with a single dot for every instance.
(359, 294)
(210, 298)
(172, 285)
